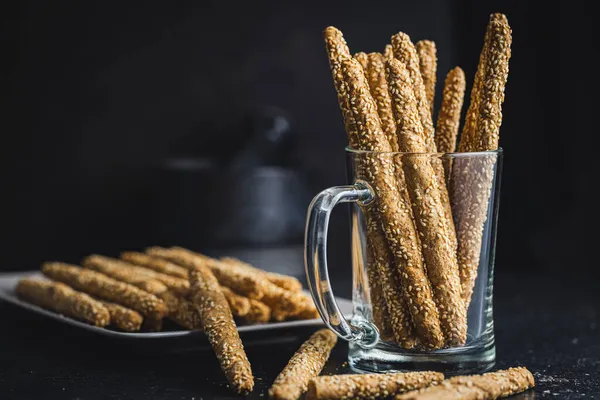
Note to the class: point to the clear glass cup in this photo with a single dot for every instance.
(470, 183)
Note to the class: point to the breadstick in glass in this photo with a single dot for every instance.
(448, 120)
(64, 300)
(220, 329)
(123, 318)
(304, 365)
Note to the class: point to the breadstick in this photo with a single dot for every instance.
(363, 60)
(473, 177)
(220, 329)
(406, 53)
(394, 210)
(490, 386)
(122, 317)
(102, 286)
(388, 52)
(379, 308)
(259, 313)
(155, 263)
(62, 299)
(124, 270)
(304, 365)
(427, 53)
(239, 305)
(449, 116)
(283, 281)
(369, 386)
(379, 90)
(441, 261)
(182, 311)
(122, 274)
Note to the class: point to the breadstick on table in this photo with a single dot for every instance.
(64, 300)
(427, 53)
(126, 270)
(490, 386)
(369, 386)
(220, 329)
(283, 281)
(448, 120)
(400, 230)
(441, 261)
(473, 177)
(123, 318)
(394, 210)
(304, 365)
(155, 263)
(100, 285)
(363, 60)
(405, 52)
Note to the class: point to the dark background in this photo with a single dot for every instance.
(96, 95)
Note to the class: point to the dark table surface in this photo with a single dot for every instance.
(547, 322)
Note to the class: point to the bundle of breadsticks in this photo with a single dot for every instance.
(425, 226)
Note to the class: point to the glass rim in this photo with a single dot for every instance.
(350, 150)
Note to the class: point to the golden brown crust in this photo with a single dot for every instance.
(490, 386)
(379, 308)
(239, 305)
(363, 60)
(304, 365)
(64, 300)
(429, 212)
(100, 285)
(369, 386)
(394, 210)
(379, 90)
(259, 313)
(283, 281)
(448, 120)
(427, 53)
(155, 263)
(123, 318)
(220, 329)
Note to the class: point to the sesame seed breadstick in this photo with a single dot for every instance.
(148, 285)
(220, 329)
(283, 281)
(427, 53)
(64, 300)
(304, 365)
(393, 208)
(379, 90)
(182, 311)
(100, 285)
(448, 119)
(259, 313)
(124, 269)
(379, 308)
(440, 258)
(490, 386)
(398, 315)
(363, 60)
(473, 177)
(388, 52)
(123, 318)
(239, 305)
(369, 386)
(406, 53)
(155, 263)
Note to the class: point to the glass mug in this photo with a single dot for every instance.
(374, 334)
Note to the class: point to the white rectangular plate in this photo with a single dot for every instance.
(9, 280)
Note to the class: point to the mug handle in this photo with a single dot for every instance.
(315, 261)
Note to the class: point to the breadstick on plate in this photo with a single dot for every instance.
(427, 53)
(379, 308)
(122, 317)
(155, 263)
(240, 305)
(490, 386)
(259, 313)
(448, 120)
(369, 386)
(125, 270)
(283, 281)
(64, 300)
(220, 329)
(100, 285)
(441, 261)
(393, 209)
(174, 256)
(304, 365)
